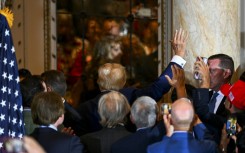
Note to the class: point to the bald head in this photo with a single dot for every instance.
(182, 114)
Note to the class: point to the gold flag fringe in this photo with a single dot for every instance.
(9, 15)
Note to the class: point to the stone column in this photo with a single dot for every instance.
(213, 27)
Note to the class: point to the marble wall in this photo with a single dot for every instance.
(213, 27)
(242, 27)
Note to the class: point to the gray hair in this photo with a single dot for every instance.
(113, 108)
(144, 112)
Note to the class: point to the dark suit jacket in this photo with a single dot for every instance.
(183, 142)
(221, 108)
(56, 142)
(90, 116)
(101, 141)
(71, 116)
(156, 90)
(214, 122)
(89, 110)
(137, 142)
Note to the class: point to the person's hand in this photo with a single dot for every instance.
(178, 81)
(203, 70)
(168, 126)
(32, 146)
(179, 42)
(68, 130)
(196, 120)
(238, 129)
(224, 139)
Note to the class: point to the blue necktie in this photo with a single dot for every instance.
(212, 102)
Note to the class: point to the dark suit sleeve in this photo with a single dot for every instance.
(91, 144)
(89, 118)
(158, 88)
(76, 146)
(202, 133)
(73, 113)
(159, 129)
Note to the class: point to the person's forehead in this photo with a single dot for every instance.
(213, 62)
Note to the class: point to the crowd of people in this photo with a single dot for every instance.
(122, 118)
(103, 41)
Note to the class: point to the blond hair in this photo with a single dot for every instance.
(111, 76)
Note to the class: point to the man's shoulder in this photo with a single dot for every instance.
(91, 102)
(140, 137)
(135, 142)
(127, 90)
(91, 136)
(127, 140)
(205, 146)
(156, 147)
(49, 132)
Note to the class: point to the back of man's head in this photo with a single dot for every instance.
(113, 108)
(23, 73)
(111, 76)
(30, 86)
(144, 112)
(55, 80)
(46, 108)
(182, 114)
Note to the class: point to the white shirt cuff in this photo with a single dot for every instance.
(178, 60)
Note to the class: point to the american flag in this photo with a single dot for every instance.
(11, 118)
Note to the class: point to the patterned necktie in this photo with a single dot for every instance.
(212, 102)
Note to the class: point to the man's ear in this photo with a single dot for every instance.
(44, 86)
(227, 73)
(49, 89)
(132, 119)
(230, 105)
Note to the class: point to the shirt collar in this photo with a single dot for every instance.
(49, 126)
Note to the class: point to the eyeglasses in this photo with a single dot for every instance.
(213, 70)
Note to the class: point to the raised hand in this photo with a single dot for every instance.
(203, 70)
(178, 81)
(178, 78)
(224, 140)
(179, 42)
(168, 126)
(196, 120)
